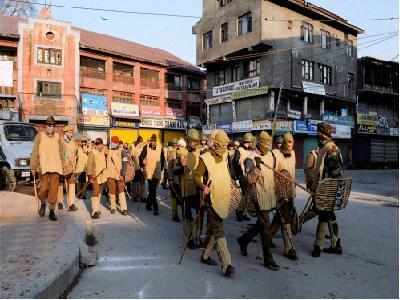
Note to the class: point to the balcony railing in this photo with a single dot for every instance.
(124, 79)
(92, 73)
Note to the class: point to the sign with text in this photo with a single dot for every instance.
(94, 110)
(174, 112)
(249, 93)
(164, 123)
(125, 110)
(242, 126)
(262, 125)
(150, 110)
(235, 86)
(313, 88)
(218, 100)
(6, 73)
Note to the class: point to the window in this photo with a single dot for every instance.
(350, 80)
(245, 24)
(236, 73)
(220, 77)
(307, 69)
(91, 67)
(337, 40)
(222, 3)
(49, 56)
(122, 97)
(307, 32)
(193, 84)
(48, 89)
(177, 104)
(208, 40)
(349, 48)
(122, 72)
(174, 82)
(325, 39)
(252, 68)
(149, 78)
(149, 100)
(290, 25)
(325, 74)
(224, 32)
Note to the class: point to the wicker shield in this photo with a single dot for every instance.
(284, 188)
(333, 194)
(236, 195)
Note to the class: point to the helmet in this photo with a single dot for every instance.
(193, 134)
(248, 137)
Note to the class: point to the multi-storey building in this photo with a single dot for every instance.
(101, 84)
(376, 142)
(255, 50)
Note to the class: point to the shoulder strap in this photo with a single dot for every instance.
(274, 157)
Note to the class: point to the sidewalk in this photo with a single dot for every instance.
(39, 258)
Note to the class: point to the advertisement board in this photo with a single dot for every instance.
(94, 110)
(125, 110)
(235, 86)
(6, 73)
(150, 110)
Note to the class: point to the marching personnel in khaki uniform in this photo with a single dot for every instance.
(81, 164)
(261, 189)
(245, 151)
(152, 161)
(46, 161)
(286, 159)
(213, 177)
(190, 192)
(203, 144)
(115, 180)
(176, 179)
(138, 180)
(70, 158)
(329, 164)
(170, 160)
(97, 173)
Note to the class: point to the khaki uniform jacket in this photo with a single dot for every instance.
(70, 156)
(317, 173)
(309, 167)
(153, 161)
(216, 171)
(265, 184)
(288, 164)
(189, 187)
(47, 154)
(135, 152)
(81, 165)
(97, 166)
(114, 164)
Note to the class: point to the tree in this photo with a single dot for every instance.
(20, 8)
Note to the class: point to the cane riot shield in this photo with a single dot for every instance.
(333, 194)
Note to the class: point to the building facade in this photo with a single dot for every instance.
(376, 142)
(288, 56)
(101, 84)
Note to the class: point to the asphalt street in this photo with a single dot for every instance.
(139, 253)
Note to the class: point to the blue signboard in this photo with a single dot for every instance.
(226, 127)
(94, 103)
(307, 126)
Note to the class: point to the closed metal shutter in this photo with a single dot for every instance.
(391, 151)
(377, 150)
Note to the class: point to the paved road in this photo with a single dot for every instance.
(138, 257)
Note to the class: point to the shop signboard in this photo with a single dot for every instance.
(313, 88)
(125, 123)
(262, 125)
(124, 110)
(306, 126)
(341, 131)
(235, 86)
(284, 125)
(394, 131)
(174, 112)
(342, 120)
(242, 126)
(163, 123)
(367, 123)
(94, 110)
(249, 93)
(218, 100)
(6, 73)
(146, 110)
(226, 127)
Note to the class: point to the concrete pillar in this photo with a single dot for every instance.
(208, 114)
(322, 107)
(305, 106)
(233, 111)
(271, 101)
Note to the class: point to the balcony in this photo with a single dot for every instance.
(92, 73)
(11, 91)
(124, 79)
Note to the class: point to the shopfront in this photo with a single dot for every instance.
(165, 129)
(125, 121)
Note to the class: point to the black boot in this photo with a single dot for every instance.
(42, 210)
(230, 270)
(335, 250)
(245, 217)
(239, 216)
(176, 219)
(60, 206)
(191, 245)
(52, 215)
(243, 246)
(73, 207)
(292, 254)
(271, 264)
(209, 261)
(316, 252)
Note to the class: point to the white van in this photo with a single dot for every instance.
(16, 143)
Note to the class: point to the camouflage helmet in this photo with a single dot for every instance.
(193, 135)
(248, 138)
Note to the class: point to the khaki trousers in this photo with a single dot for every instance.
(70, 181)
(48, 188)
(97, 189)
(117, 187)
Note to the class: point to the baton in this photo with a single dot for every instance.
(36, 193)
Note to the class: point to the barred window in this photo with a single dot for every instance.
(245, 24)
(307, 69)
(325, 39)
(48, 89)
(208, 40)
(224, 32)
(325, 74)
(307, 32)
(49, 56)
(149, 78)
(122, 97)
(149, 100)
(252, 68)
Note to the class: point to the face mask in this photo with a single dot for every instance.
(219, 150)
(50, 130)
(114, 146)
(264, 148)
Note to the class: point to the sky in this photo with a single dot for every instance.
(175, 34)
